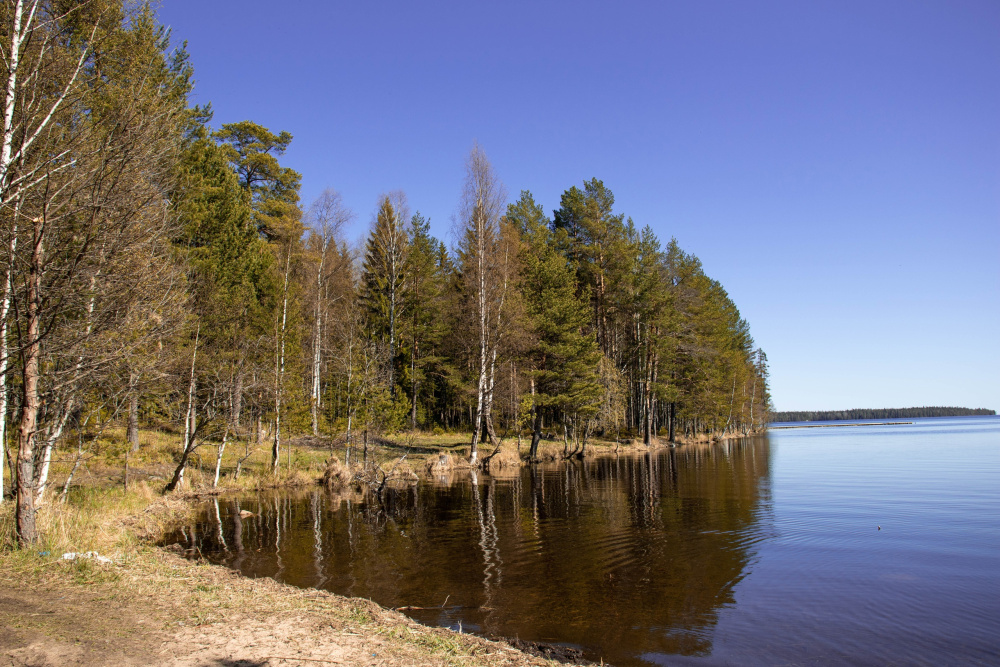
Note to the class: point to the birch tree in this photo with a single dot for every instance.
(326, 218)
(8, 274)
(487, 253)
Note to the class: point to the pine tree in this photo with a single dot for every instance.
(234, 287)
(564, 356)
(273, 190)
(593, 238)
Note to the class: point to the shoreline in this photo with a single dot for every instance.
(150, 605)
(779, 428)
(153, 606)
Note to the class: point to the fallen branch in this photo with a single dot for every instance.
(409, 607)
(281, 657)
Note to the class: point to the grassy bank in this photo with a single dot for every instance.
(151, 606)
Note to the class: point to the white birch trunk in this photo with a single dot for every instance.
(21, 30)
(55, 431)
(317, 337)
(4, 312)
(218, 458)
(483, 203)
(279, 371)
(189, 414)
(18, 33)
(53, 434)
(481, 298)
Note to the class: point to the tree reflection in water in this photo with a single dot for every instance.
(620, 555)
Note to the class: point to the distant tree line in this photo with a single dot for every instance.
(158, 272)
(876, 413)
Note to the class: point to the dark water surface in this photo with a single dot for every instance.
(761, 551)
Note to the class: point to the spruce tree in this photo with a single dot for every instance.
(424, 323)
(383, 283)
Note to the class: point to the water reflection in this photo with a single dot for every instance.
(622, 556)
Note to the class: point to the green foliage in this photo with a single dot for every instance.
(382, 284)
(272, 190)
(233, 277)
(564, 351)
(425, 324)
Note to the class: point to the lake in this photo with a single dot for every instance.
(862, 545)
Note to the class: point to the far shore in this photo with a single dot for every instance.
(777, 428)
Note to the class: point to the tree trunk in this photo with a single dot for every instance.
(218, 458)
(52, 435)
(133, 414)
(586, 436)
(488, 427)
(732, 400)
(413, 378)
(178, 478)
(240, 461)
(27, 532)
(478, 419)
(72, 473)
(670, 420)
(279, 371)
(189, 421)
(647, 404)
(317, 337)
(536, 425)
(8, 287)
(536, 435)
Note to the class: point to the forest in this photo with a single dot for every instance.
(161, 272)
(877, 413)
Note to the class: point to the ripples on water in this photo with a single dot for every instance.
(764, 550)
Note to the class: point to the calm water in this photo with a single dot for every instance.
(762, 551)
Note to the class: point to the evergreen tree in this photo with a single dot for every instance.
(383, 283)
(273, 190)
(563, 350)
(592, 242)
(234, 288)
(424, 322)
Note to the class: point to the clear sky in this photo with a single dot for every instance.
(836, 165)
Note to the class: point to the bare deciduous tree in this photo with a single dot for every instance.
(326, 217)
(487, 252)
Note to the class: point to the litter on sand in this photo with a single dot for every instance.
(90, 555)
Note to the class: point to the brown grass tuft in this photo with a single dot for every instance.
(336, 476)
(440, 465)
(505, 461)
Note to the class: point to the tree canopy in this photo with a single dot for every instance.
(154, 265)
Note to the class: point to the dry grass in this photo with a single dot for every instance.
(506, 461)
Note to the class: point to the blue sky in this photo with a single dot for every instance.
(836, 165)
